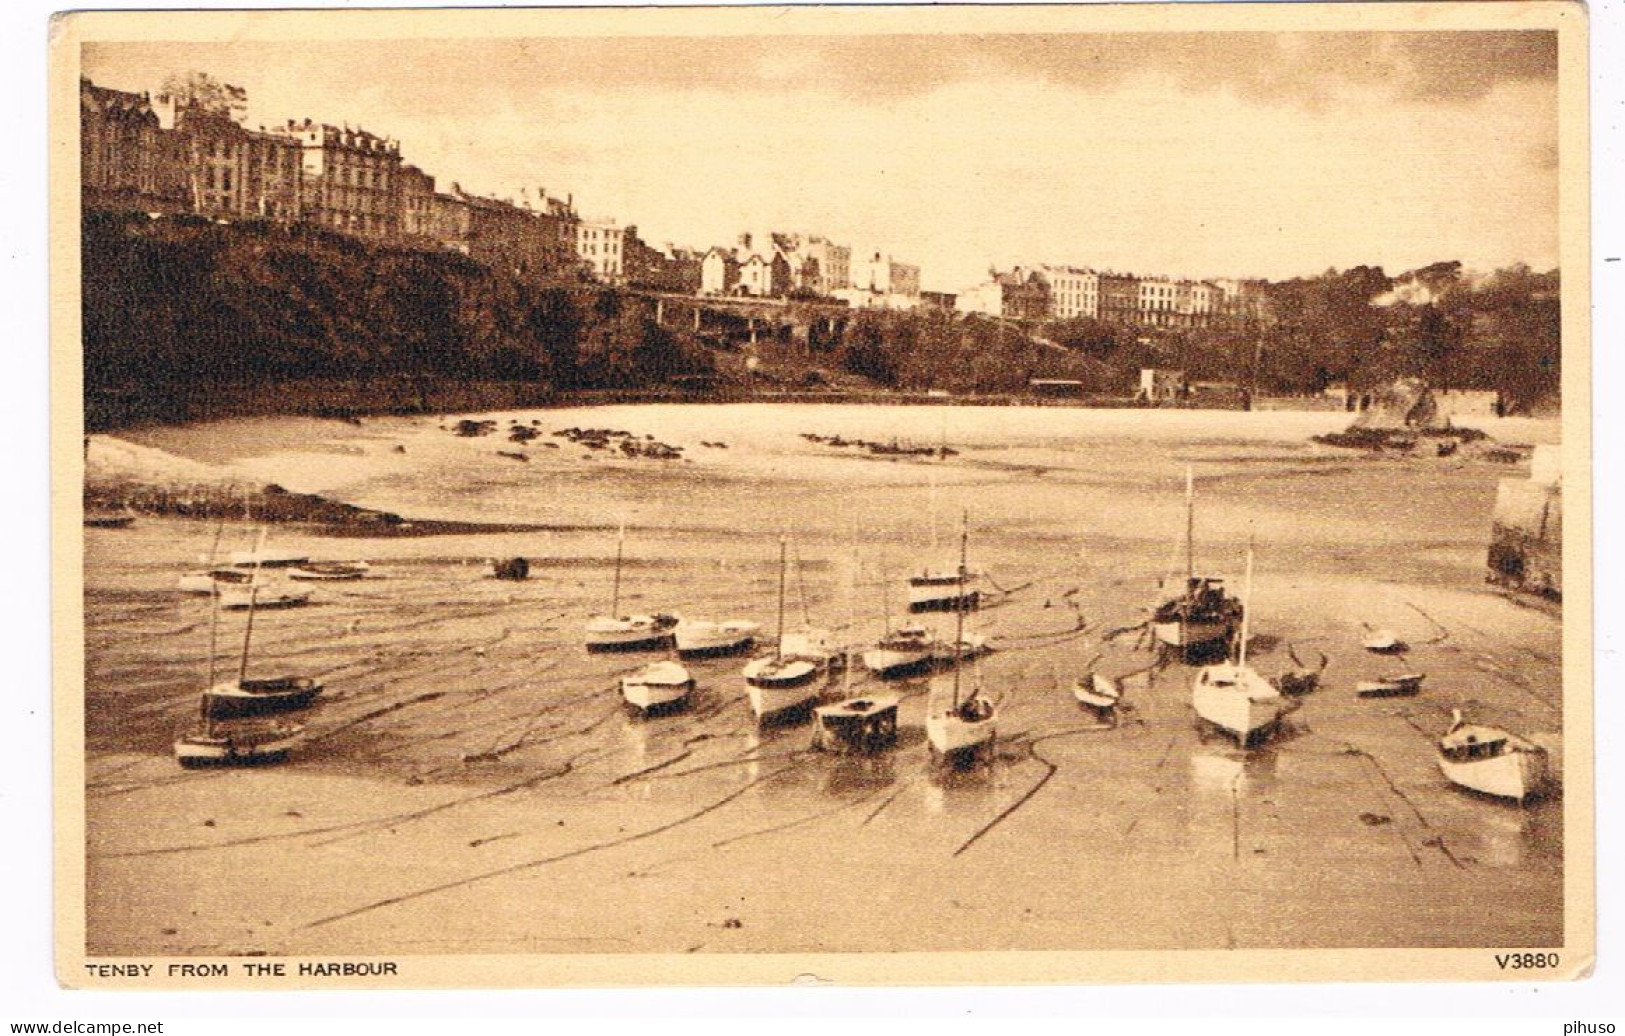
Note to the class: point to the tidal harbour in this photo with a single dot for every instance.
(471, 779)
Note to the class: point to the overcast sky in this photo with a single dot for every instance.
(1205, 155)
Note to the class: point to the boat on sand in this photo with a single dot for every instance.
(1233, 697)
(959, 726)
(617, 632)
(1492, 761)
(697, 638)
(1202, 619)
(657, 685)
(787, 680)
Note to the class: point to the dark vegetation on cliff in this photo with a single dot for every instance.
(175, 306)
(183, 311)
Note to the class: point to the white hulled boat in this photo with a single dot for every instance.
(1492, 761)
(1233, 697)
(789, 679)
(903, 650)
(657, 685)
(617, 632)
(209, 580)
(1383, 642)
(1203, 618)
(239, 745)
(242, 697)
(697, 638)
(626, 632)
(1097, 692)
(956, 725)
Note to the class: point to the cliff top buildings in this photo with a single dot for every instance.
(1056, 292)
(121, 152)
(187, 150)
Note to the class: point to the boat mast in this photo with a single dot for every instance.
(214, 628)
(1190, 527)
(615, 594)
(959, 610)
(933, 508)
(1246, 607)
(885, 602)
(801, 589)
(253, 594)
(851, 617)
(778, 652)
(214, 599)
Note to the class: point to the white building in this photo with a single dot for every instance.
(882, 275)
(1074, 292)
(602, 246)
(1158, 301)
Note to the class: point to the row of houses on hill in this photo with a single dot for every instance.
(779, 264)
(1069, 292)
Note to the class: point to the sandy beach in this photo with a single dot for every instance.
(473, 784)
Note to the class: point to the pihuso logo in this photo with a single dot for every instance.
(1578, 1027)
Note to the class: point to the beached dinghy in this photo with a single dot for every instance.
(1203, 618)
(109, 519)
(254, 697)
(1383, 642)
(255, 595)
(617, 632)
(261, 557)
(657, 685)
(1099, 694)
(1402, 685)
(1492, 761)
(700, 638)
(1233, 697)
(329, 571)
(207, 581)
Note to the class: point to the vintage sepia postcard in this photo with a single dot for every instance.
(892, 495)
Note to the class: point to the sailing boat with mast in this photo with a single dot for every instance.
(617, 632)
(962, 724)
(941, 589)
(217, 744)
(906, 649)
(245, 697)
(861, 725)
(1232, 696)
(786, 680)
(1201, 620)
